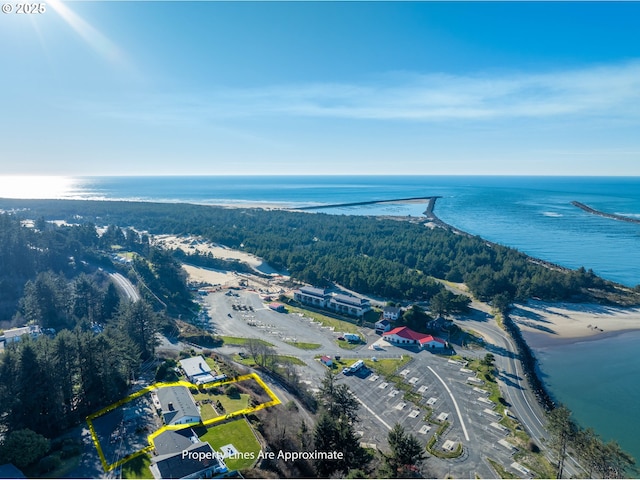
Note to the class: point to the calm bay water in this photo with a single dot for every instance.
(596, 379)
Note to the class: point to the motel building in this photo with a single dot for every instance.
(343, 304)
(318, 297)
(404, 336)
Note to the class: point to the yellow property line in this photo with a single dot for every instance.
(108, 467)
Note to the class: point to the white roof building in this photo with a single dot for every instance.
(198, 371)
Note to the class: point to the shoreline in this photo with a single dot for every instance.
(545, 324)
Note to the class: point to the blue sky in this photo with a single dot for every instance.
(128, 88)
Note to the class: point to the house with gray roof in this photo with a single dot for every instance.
(178, 406)
(199, 460)
(173, 441)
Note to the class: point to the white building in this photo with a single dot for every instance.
(406, 336)
(391, 313)
(383, 326)
(318, 297)
(15, 334)
(345, 304)
(198, 371)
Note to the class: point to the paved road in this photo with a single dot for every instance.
(126, 286)
(511, 379)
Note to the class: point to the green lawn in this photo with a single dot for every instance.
(249, 362)
(239, 434)
(230, 404)
(387, 366)
(345, 345)
(207, 412)
(305, 345)
(339, 326)
(241, 340)
(137, 468)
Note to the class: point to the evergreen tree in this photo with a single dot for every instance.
(406, 454)
(563, 431)
(140, 322)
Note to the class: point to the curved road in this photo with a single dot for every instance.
(125, 286)
(511, 379)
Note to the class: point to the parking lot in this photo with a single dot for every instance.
(444, 388)
(445, 394)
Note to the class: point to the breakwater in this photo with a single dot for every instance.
(613, 216)
(429, 209)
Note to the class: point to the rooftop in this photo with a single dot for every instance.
(347, 300)
(176, 402)
(195, 366)
(314, 291)
(175, 466)
(174, 441)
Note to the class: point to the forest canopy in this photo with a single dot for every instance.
(385, 257)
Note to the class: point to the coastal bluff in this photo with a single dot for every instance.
(613, 216)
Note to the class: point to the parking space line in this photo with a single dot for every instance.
(373, 413)
(455, 404)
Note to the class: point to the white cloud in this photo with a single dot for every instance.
(610, 91)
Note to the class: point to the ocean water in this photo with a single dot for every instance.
(597, 380)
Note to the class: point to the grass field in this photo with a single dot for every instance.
(239, 434)
(249, 361)
(387, 366)
(242, 341)
(305, 345)
(137, 468)
(230, 404)
(338, 325)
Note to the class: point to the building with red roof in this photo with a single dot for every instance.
(406, 336)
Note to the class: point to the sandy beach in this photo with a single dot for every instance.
(212, 276)
(191, 244)
(549, 324)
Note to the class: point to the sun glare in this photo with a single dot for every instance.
(35, 187)
(98, 41)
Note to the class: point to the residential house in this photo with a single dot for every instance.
(198, 371)
(15, 334)
(440, 323)
(199, 460)
(173, 441)
(391, 313)
(177, 406)
(383, 326)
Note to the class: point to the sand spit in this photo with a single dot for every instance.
(547, 324)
